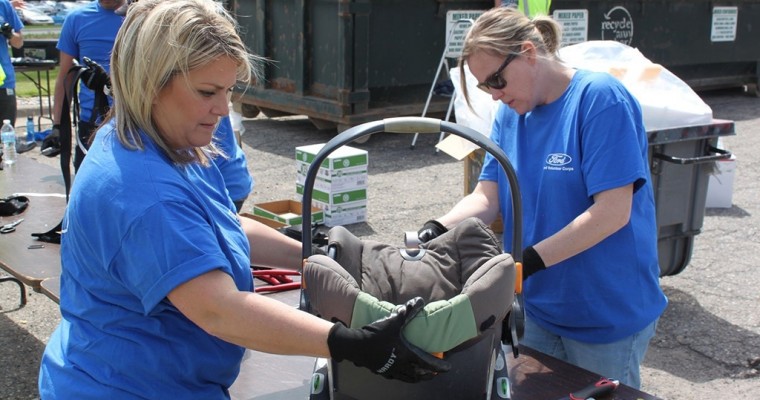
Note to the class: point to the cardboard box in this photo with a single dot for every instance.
(344, 198)
(287, 212)
(302, 168)
(268, 222)
(349, 181)
(473, 163)
(343, 214)
(340, 187)
(346, 217)
(720, 185)
(340, 208)
(341, 160)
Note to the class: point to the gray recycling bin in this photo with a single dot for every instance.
(681, 161)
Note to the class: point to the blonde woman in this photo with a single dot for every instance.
(156, 287)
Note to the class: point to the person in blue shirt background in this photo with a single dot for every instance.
(233, 166)
(88, 31)
(577, 142)
(156, 295)
(10, 30)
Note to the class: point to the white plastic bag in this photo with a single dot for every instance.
(237, 121)
(479, 117)
(666, 101)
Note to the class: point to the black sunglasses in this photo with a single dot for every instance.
(496, 81)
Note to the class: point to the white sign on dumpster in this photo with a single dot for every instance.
(458, 22)
(574, 25)
(724, 24)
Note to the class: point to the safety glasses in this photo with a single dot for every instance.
(496, 81)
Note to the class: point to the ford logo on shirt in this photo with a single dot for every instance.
(558, 159)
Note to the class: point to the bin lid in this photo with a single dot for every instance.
(718, 127)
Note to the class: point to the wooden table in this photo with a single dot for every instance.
(43, 185)
(534, 375)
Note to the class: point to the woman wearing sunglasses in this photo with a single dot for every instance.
(578, 144)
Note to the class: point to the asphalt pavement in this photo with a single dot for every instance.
(707, 343)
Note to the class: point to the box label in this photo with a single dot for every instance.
(335, 197)
(351, 181)
(302, 168)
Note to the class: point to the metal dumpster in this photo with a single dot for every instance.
(707, 44)
(343, 62)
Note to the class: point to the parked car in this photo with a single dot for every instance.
(29, 16)
(46, 7)
(64, 8)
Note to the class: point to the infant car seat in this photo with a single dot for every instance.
(467, 281)
(468, 285)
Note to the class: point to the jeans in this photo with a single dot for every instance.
(618, 360)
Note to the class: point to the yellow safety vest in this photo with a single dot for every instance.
(532, 8)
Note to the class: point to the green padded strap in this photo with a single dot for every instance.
(439, 327)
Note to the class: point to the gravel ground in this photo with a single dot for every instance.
(708, 340)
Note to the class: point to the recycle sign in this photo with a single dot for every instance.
(618, 25)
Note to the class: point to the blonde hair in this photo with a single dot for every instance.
(160, 40)
(501, 31)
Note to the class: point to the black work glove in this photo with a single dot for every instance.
(51, 145)
(95, 77)
(7, 30)
(381, 347)
(532, 262)
(431, 230)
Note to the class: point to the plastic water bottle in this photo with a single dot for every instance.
(29, 129)
(9, 142)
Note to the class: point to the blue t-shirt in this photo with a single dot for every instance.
(9, 15)
(589, 140)
(234, 167)
(136, 227)
(89, 31)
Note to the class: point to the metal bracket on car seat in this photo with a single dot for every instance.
(412, 254)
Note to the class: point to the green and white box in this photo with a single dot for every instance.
(342, 214)
(345, 216)
(340, 187)
(345, 167)
(340, 208)
(342, 182)
(344, 198)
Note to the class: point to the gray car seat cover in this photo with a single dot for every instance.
(465, 279)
